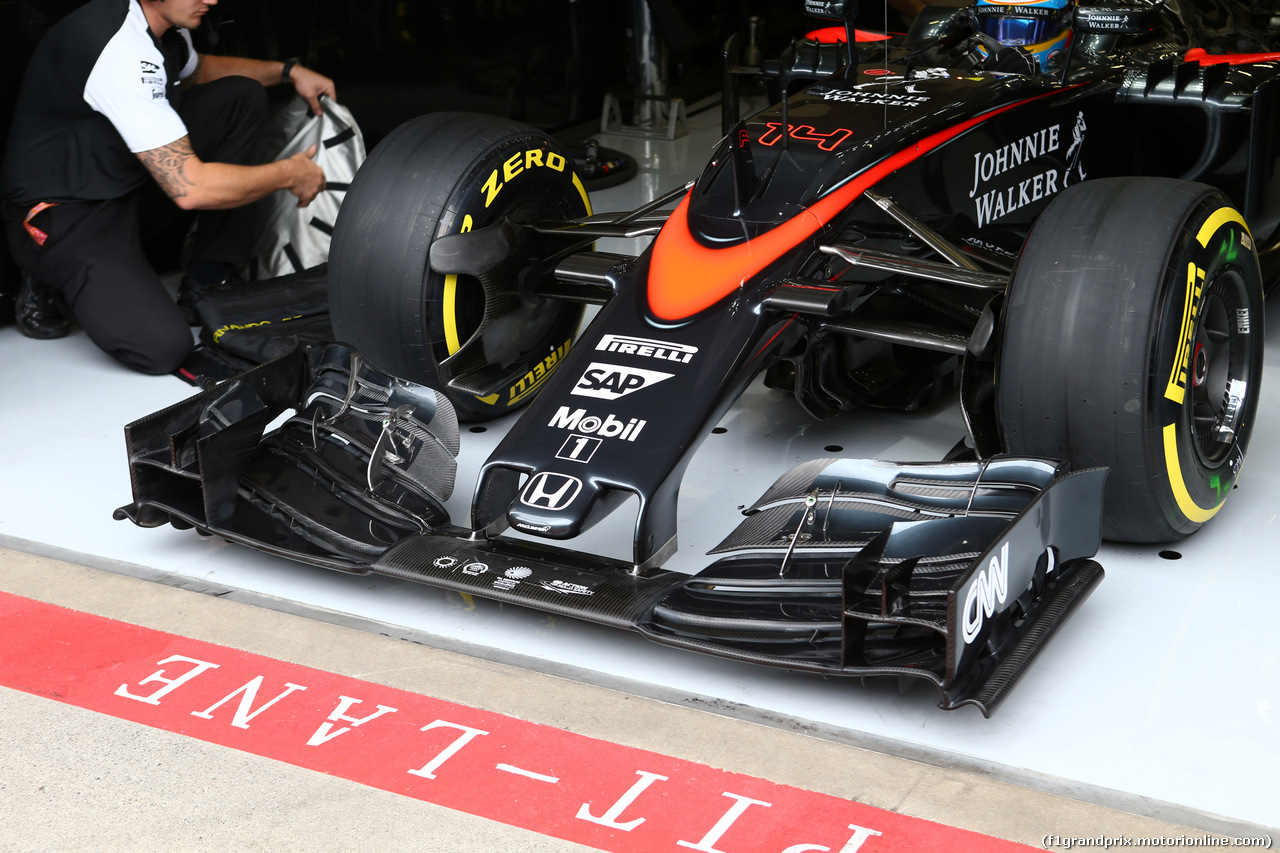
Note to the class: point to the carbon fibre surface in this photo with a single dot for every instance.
(607, 593)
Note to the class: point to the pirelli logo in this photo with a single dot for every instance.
(647, 348)
(1176, 389)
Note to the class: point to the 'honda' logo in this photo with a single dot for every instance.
(550, 491)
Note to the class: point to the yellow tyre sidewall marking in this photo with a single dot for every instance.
(1220, 217)
(582, 191)
(452, 339)
(1186, 503)
(1181, 494)
(450, 308)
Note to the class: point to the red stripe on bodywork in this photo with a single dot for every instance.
(835, 35)
(686, 277)
(1199, 54)
(769, 342)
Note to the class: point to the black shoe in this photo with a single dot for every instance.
(37, 314)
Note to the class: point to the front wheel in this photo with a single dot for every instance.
(1132, 338)
(487, 341)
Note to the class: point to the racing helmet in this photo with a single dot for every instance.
(1039, 28)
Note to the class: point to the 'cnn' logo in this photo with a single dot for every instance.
(990, 587)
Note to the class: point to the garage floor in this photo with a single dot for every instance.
(1159, 698)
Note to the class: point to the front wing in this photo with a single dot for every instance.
(957, 573)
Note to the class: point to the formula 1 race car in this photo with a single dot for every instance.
(1064, 211)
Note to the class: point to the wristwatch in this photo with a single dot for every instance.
(288, 69)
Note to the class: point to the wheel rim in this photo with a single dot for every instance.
(469, 293)
(1220, 369)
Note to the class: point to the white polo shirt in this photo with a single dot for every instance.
(128, 85)
(98, 90)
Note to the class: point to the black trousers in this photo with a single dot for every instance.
(93, 256)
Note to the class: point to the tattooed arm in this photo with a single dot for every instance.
(196, 185)
(311, 85)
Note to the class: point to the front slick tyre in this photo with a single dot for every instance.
(444, 174)
(1132, 339)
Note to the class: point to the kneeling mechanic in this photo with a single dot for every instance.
(116, 95)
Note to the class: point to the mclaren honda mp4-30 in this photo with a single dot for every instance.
(1074, 232)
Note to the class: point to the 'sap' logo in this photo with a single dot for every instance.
(550, 491)
(611, 381)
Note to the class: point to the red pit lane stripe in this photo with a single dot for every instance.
(531, 776)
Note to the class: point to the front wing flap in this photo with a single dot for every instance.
(957, 573)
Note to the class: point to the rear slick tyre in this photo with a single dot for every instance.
(437, 175)
(1132, 338)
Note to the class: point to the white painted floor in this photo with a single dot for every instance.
(1161, 696)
